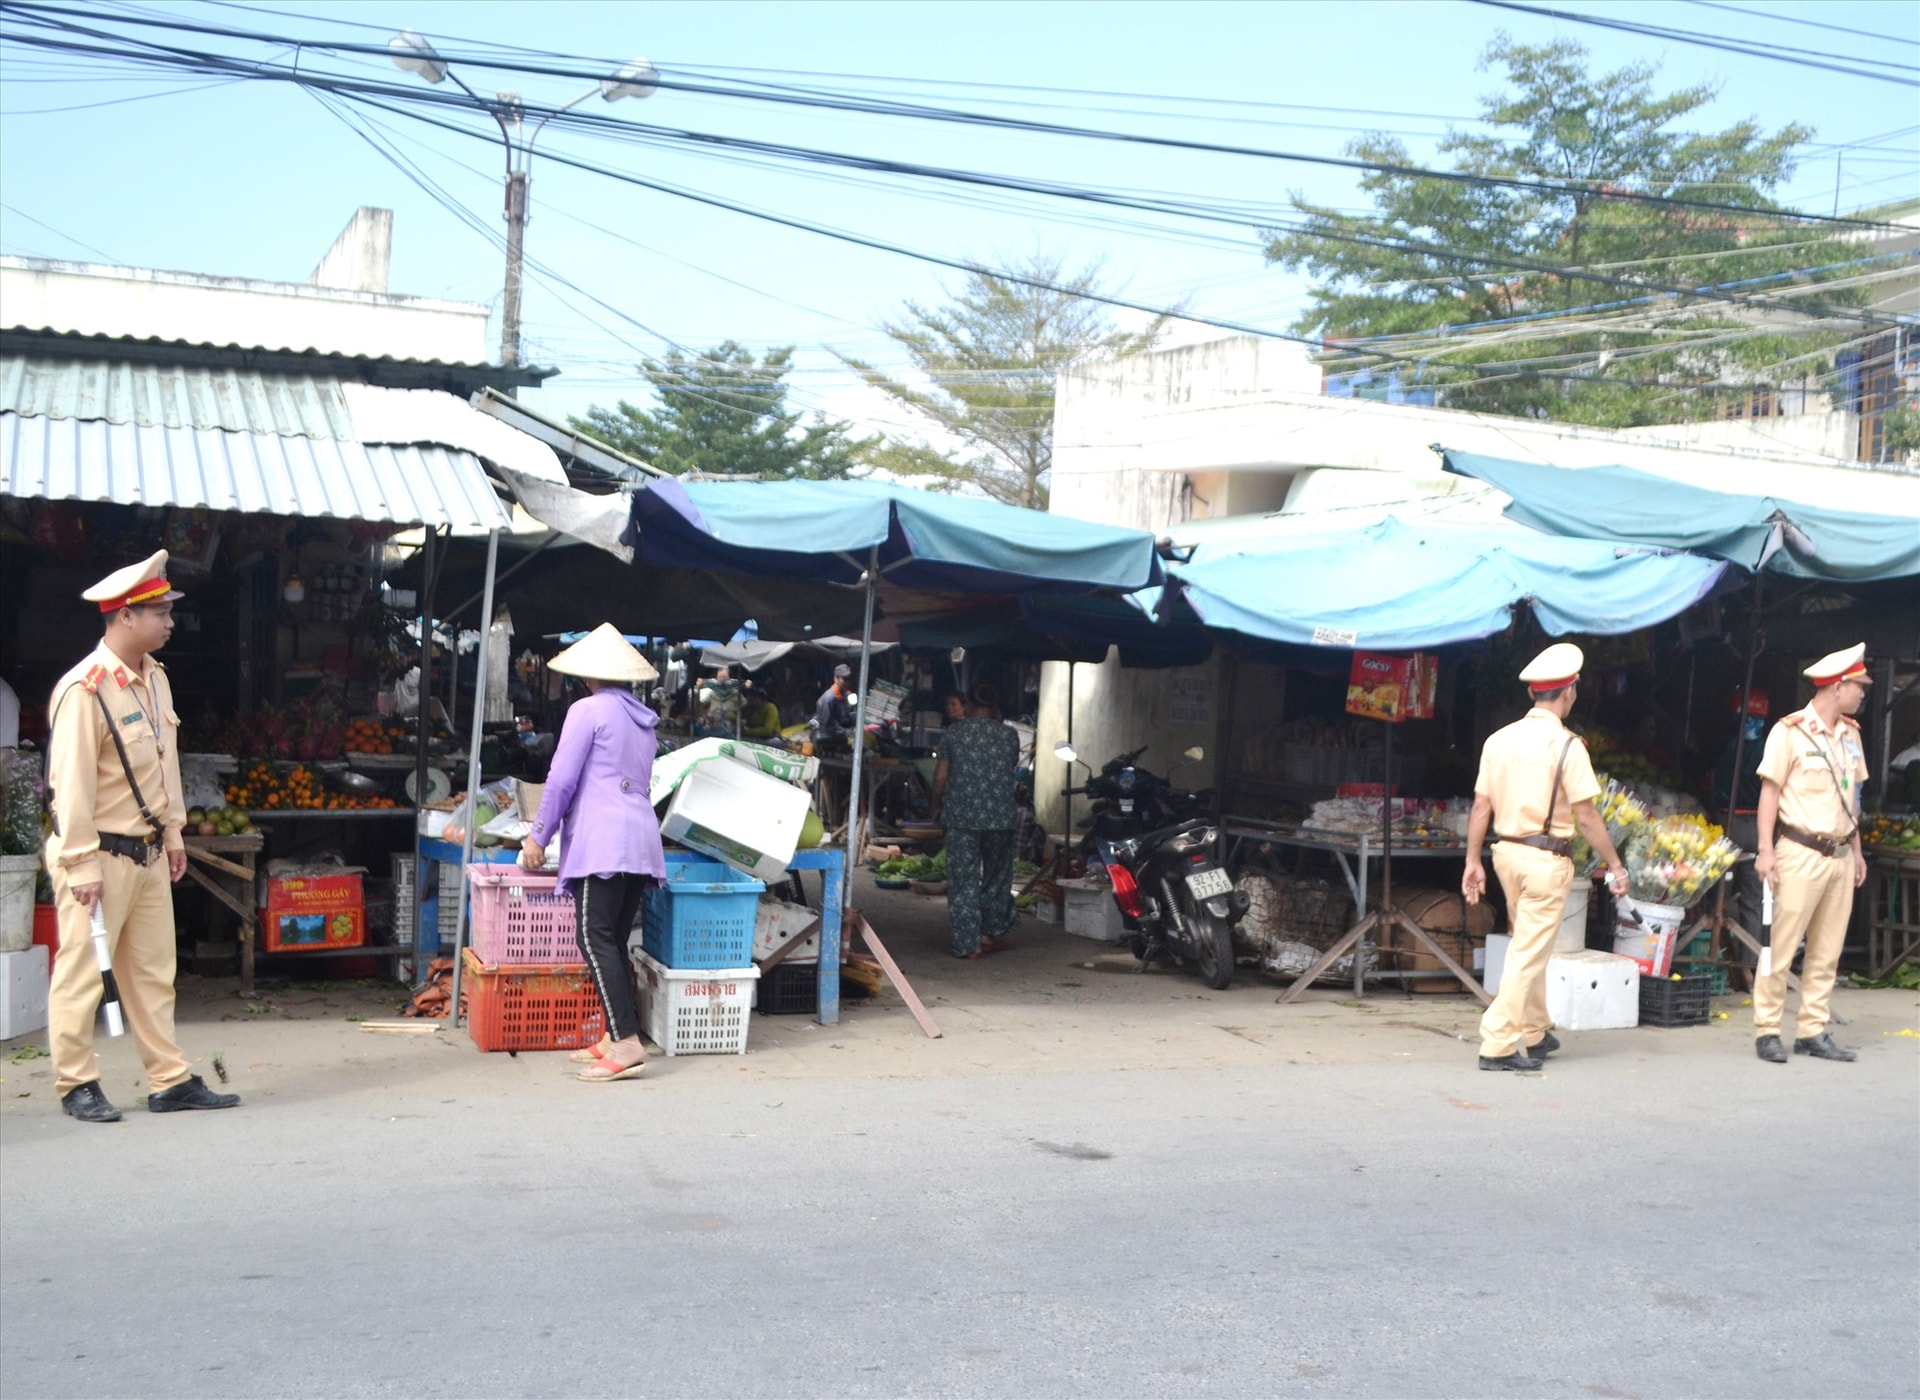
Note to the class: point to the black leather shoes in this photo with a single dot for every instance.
(88, 1104)
(192, 1094)
(1516, 1062)
(1821, 1047)
(1546, 1045)
(1769, 1048)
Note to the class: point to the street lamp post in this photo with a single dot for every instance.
(638, 79)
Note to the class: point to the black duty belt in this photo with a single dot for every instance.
(1826, 845)
(138, 849)
(1556, 845)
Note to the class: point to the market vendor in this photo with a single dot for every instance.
(833, 714)
(1809, 851)
(597, 802)
(759, 714)
(1536, 784)
(113, 778)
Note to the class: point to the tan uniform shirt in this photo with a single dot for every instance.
(89, 787)
(1818, 771)
(1516, 775)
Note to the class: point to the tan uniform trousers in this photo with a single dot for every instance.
(1813, 897)
(1536, 883)
(138, 903)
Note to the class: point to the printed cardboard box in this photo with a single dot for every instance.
(304, 913)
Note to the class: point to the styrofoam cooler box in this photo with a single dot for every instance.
(1496, 961)
(739, 815)
(1091, 911)
(775, 921)
(23, 991)
(1593, 991)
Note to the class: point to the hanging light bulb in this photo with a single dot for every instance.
(295, 591)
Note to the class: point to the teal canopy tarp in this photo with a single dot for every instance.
(1395, 586)
(1755, 532)
(830, 530)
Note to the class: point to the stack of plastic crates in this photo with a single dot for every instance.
(694, 963)
(527, 988)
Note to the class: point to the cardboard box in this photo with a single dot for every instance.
(302, 914)
(738, 815)
(1392, 688)
(775, 921)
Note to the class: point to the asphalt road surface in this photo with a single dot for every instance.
(1092, 1185)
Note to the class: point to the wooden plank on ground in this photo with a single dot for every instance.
(894, 974)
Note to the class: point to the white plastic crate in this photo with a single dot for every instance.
(695, 1011)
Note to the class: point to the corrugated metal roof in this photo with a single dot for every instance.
(156, 395)
(65, 459)
(17, 335)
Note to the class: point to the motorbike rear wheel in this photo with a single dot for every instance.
(1213, 948)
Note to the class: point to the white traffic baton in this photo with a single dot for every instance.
(109, 991)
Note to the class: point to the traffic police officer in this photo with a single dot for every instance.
(1809, 820)
(113, 773)
(1535, 783)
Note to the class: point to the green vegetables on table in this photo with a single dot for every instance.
(914, 868)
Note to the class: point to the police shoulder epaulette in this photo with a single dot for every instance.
(1850, 721)
(93, 678)
(1795, 720)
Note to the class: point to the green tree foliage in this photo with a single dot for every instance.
(1637, 360)
(724, 414)
(990, 355)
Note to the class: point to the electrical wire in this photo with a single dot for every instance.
(1750, 48)
(868, 107)
(1808, 23)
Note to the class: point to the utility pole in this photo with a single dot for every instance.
(637, 79)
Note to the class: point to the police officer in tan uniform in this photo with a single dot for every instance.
(1535, 783)
(1809, 820)
(113, 774)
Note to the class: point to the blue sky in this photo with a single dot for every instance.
(255, 179)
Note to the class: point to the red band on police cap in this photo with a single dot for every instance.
(143, 593)
(1538, 686)
(1859, 668)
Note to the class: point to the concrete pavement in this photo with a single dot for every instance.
(1096, 1183)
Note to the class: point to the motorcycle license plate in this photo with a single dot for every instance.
(1210, 884)
(1126, 804)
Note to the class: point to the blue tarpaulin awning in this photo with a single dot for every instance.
(1396, 586)
(830, 530)
(1755, 532)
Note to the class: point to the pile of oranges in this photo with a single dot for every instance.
(371, 736)
(262, 788)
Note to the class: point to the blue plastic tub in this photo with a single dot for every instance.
(702, 917)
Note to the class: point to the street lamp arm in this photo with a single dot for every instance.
(541, 125)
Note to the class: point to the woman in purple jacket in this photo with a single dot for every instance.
(597, 802)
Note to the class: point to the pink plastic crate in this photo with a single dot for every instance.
(520, 916)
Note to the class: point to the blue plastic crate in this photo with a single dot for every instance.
(702, 917)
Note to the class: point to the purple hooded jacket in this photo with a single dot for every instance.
(596, 797)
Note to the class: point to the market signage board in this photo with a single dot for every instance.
(1191, 703)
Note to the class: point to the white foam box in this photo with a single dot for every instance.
(23, 991)
(1593, 991)
(1091, 912)
(738, 815)
(775, 921)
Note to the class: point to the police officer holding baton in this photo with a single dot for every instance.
(1535, 783)
(113, 774)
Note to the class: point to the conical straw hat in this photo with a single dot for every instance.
(604, 655)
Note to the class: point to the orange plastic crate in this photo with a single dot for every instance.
(531, 1006)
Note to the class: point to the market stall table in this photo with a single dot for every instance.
(1893, 908)
(213, 852)
(1354, 854)
(263, 822)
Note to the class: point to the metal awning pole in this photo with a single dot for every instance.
(860, 718)
(421, 970)
(473, 770)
